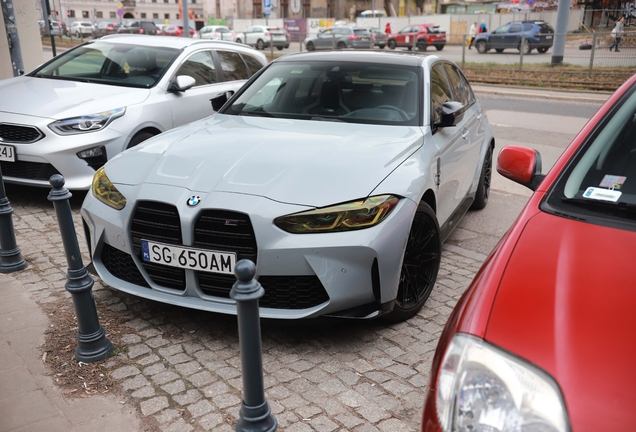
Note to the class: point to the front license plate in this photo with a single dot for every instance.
(548, 37)
(188, 258)
(7, 153)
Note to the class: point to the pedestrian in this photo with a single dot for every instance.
(617, 33)
(472, 33)
(482, 27)
(387, 28)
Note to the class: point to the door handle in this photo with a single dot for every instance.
(480, 115)
(465, 134)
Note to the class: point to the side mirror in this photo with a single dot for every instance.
(521, 165)
(182, 83)
(219, 100)
(452, 113)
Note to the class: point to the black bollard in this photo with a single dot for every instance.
(255, 415)
(10, 258)
(93, 344)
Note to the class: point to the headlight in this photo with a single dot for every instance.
(87, 123)
(482, 388)
(106, 192)
(343, 217)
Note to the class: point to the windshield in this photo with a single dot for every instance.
(599, 185)
(354, 92)
(110, 63)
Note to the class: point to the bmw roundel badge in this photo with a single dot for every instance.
(194, 200)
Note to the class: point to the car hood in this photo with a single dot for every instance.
(311, 163)
(567, 303)
(58, 99)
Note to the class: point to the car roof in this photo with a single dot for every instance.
(165, 41)
(392, 57)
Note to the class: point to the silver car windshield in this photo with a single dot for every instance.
(354, 92)
(110, 63)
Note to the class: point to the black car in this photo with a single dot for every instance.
(139, 27)
(539, 35)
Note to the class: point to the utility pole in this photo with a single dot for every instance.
(8, 12)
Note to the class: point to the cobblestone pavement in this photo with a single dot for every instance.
(181, 368)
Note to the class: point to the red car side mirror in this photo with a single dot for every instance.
(521, 165)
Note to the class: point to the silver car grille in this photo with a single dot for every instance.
(19, 134)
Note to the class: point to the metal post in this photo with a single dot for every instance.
(558, 48)
(333, 41)
(255, 414)
(92, 342)
(186, 18)
(15, 52)
(46, 11)
(10, 258)
(521, 49)
(592, 53)
(464, 50)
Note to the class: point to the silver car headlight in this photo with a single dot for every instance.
(483, 388)
(87, 123)
(353, 215)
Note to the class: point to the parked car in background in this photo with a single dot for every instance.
(105, 28)
(339, 174)
(420, 35)
(340, 37)
(139, 27)
(260, 37)
(57, 28)
(72, 114)
(539, 341)
(160, 28)
(379, 37)
(176, 30)
(81, 29)
(538, 35)
(216, 33)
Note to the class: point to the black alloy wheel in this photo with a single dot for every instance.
(483, 188)
(420, 265)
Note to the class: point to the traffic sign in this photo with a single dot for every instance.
(120, 12)
(267, 4)
(119, 5)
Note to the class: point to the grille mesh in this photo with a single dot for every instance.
(12, 133)
(28, 170)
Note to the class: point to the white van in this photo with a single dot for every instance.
(372, 13)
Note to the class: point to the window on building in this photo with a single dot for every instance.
(85, 14)
(112, 14)
(257, 10)
(306, 9)
(99, 14)
(166, 1)
(284, 9)
(143, 14)
(155, 16)
(218, 8)
(71, 13)
(166, 16)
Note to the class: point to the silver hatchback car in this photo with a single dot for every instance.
(340, 37)
(80, 109)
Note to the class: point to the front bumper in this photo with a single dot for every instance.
(56, 154)
(307, 275)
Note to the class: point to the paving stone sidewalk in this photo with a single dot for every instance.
(181, 368)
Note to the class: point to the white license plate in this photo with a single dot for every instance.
(548, 37)
(188, 258)
(7, 153)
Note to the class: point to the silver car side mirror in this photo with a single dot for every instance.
(182, 83)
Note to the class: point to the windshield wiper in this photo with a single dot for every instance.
(331, 119)
(258, 113)
(624, 207)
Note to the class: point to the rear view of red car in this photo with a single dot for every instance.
(542, 340)
(420, 36)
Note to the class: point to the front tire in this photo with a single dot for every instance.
(545, 49)
(392, 44)
(525, 48)
(310, 46)
(238, 41)
(483, 188)
(419, 266)
(481, 47)
(280, 48)
(421, 45)
(341, 45)
(499, 50)
(439, 47)
(381, 46)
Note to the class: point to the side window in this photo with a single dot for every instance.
(199, 66)
(440, 92)
(503, 29)
(405, 30)
(253, 64)
(515, 28)
(461, 92)
(233, 66)
(527, 27)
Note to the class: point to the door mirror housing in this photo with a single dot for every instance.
(219, 100)
(452, 113)
(521, 165)
(182, 83)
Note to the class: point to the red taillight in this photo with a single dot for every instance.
(353, 36)
(109, 28)
(141, 31)
(267, 34)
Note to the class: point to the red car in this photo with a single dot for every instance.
(542, 340)
(420, 35)
(176, 30)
